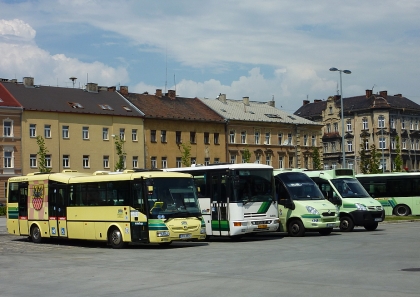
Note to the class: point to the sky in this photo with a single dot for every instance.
(264, 50)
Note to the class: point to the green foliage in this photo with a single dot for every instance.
(398, 160)
(119, 147)
(42, 152)
(186, 154)
(364, 158)
(316, 159)
(2, 210)
(374, 160)
(246, 155)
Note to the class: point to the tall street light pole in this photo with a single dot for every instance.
(343, 152)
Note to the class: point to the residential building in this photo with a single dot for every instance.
(369, 119)
(173, 125)
(272, 136)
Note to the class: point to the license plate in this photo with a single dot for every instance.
(184, 236)
(330, 225)
(262, 226)
(378, 219)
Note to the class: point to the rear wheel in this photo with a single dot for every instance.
(346, 224)
(401, 210)
(296, 228)
(115, 238)
(371, 226)
(326, 231)
(36, 234)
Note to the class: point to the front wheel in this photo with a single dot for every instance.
(36, 234)
(296, 228)
(326, 231)
(371, 226)
(401, 210)
(115, 239)
(346, 224)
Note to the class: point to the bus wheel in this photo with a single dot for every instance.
(36, 234)
(401, 210)
(346, 224)
(115, 238)
(296, 228)
(326, 231)
(371, 226)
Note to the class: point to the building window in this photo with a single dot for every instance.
(178, 162)
(122, 134)
(153, 137)
(206, 137)
(257, 137)
(330, 110)
(105, 134)
(281, 163)
(267, 138)
(333, 147)
(289, 139)
(134, 134)
(7, 128)
(85, 132)
(365, 125)
(417, 144)
(243, 159)
(32, 161)
(48, 161)
(163, 137)
(404, 143)
(216, 138)
(47, 131)
(402, 123)
(392, 123)
(86, 161)
(243, 137)
(412, 144)
(417, 124)
(106, 161)
(411, 124)
(383, 164)
(382, 142)
(381, 121)
(393, 145)
(216, 160)
(8, 160)
(268, 160)
(66, 161)
(280, 138)
(135, 162)
(258, 159)
(325, 148)
(164, 163)
(192, 137)
(193, 161)
(366, 144)
(305, 140)
(153, 164)
(349, 125)
(291, 162)
(178, 136)
(313, 140)
(350, 165)
(232, 158)
(349, 145)
(65, 131)
(206, 161)
(335, 127)
(232, 136)
(32, 130)
(334, 166)
(328, 127)
(306, 162)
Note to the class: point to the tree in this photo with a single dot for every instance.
(246, 155)
(316, 159)
(398, 160)
(364, 158)
(119, 147)
(374, 160)
(186, 154)
(42, 155)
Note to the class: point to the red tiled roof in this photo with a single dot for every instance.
(7, 99)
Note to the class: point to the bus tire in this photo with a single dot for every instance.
(346, 224)
(36, 234)
(296, 228)
(326, 231)
(115, 238)
(371, 226)
(401, 210)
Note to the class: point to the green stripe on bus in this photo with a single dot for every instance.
(157, 225)
(264, 207)
(348, 205)
(310, 216)
(224, 226)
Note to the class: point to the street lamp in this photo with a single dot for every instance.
(342, 115)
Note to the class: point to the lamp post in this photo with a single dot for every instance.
(342, 115)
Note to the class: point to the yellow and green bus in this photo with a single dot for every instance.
(129, 207)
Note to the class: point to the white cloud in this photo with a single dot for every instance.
(16, 28)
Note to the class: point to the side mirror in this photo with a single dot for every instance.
(290, 205)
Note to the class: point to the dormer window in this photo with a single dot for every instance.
(105, 107)
(273, 116)
(127, 108)
(75, 105)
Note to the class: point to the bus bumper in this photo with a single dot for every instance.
(314, 223)
(363, 217)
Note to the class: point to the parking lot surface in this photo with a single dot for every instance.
(383, 263)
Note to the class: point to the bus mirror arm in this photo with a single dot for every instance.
(290, 204)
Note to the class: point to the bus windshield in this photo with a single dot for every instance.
(171, 198)
(253, 185)
(350, 188)
(300, 186)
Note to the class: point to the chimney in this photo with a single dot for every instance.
(172, 94)
(28, 82)
(13, 80)
(246, 100)
(398, 95)
(92, 87)
(112, 89)
(317, 100)
(337, 97)
(305, 102)
(368, 93)
(158, 93)
(222, 98)
(383, 94)
(272, 103)
(124, 90)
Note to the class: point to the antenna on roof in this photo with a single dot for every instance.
(166, 69)
(73, 79)
(174, 82)
(337, 89)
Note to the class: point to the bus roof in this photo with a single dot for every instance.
(389, 174)
(331, 173)
(221, 166)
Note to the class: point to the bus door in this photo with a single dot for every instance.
(57, 210)
(219, 204)
(23, 209)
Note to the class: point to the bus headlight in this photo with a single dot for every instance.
(337, 210)
(203, 231)
(311, 210)
(162, 233)
(360, 206)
